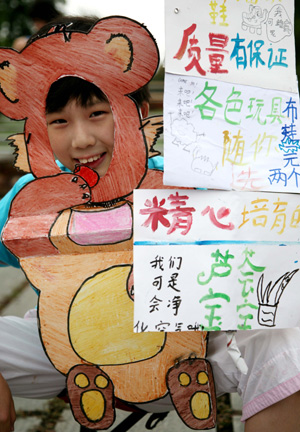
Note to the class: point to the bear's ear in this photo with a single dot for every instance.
(119, 47)
(9, 98)
(128, 51)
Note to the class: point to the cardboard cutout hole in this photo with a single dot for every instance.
(80, 127)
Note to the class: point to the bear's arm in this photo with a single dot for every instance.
(35, 209)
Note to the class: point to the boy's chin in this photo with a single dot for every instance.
(101, 173)
(101, 170)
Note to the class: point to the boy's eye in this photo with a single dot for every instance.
(58, 121)
(97, 113)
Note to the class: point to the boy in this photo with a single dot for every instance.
(81, 130)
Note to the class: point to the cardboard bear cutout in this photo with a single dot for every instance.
(72, 232)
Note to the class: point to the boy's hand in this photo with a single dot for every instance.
(7, 408)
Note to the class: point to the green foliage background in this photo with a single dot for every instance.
(14, 20)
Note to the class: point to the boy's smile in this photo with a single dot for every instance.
(83, 134)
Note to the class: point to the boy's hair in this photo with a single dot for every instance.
(43, 10)
(73, 88)
(70, 88)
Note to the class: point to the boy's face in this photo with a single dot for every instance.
(83, 135)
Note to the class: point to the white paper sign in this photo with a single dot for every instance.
(216, 260)
(250, 43)
(231, 96)
(226, 136)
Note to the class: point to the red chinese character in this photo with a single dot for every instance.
(222, 212)
(218, 42)
(182, 216)
(156, 213)
(187, 32)
(194, 52)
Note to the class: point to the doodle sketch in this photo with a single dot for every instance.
(254, 19)
(184, 133)
(185, 136)
(279, 24)
(268, 298)
(202, 164)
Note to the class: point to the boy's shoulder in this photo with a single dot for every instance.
(156, 162)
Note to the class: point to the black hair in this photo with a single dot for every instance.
(43, 10)
(71, 88)
(74, 88)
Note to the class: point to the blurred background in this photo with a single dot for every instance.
(21, 17)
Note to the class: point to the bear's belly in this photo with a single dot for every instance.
(101, 322)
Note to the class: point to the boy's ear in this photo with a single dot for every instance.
(144, 109)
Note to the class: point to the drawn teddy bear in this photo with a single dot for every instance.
(60, 228)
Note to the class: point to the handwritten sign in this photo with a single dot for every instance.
(238, 41)
(226, 136)
(231, 97)
(216, 260)
(224, 260)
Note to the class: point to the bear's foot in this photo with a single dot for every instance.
(192, 390)
(91, 396)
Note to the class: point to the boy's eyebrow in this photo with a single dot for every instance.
(90, 103)
(57, 111)
(95, 101)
